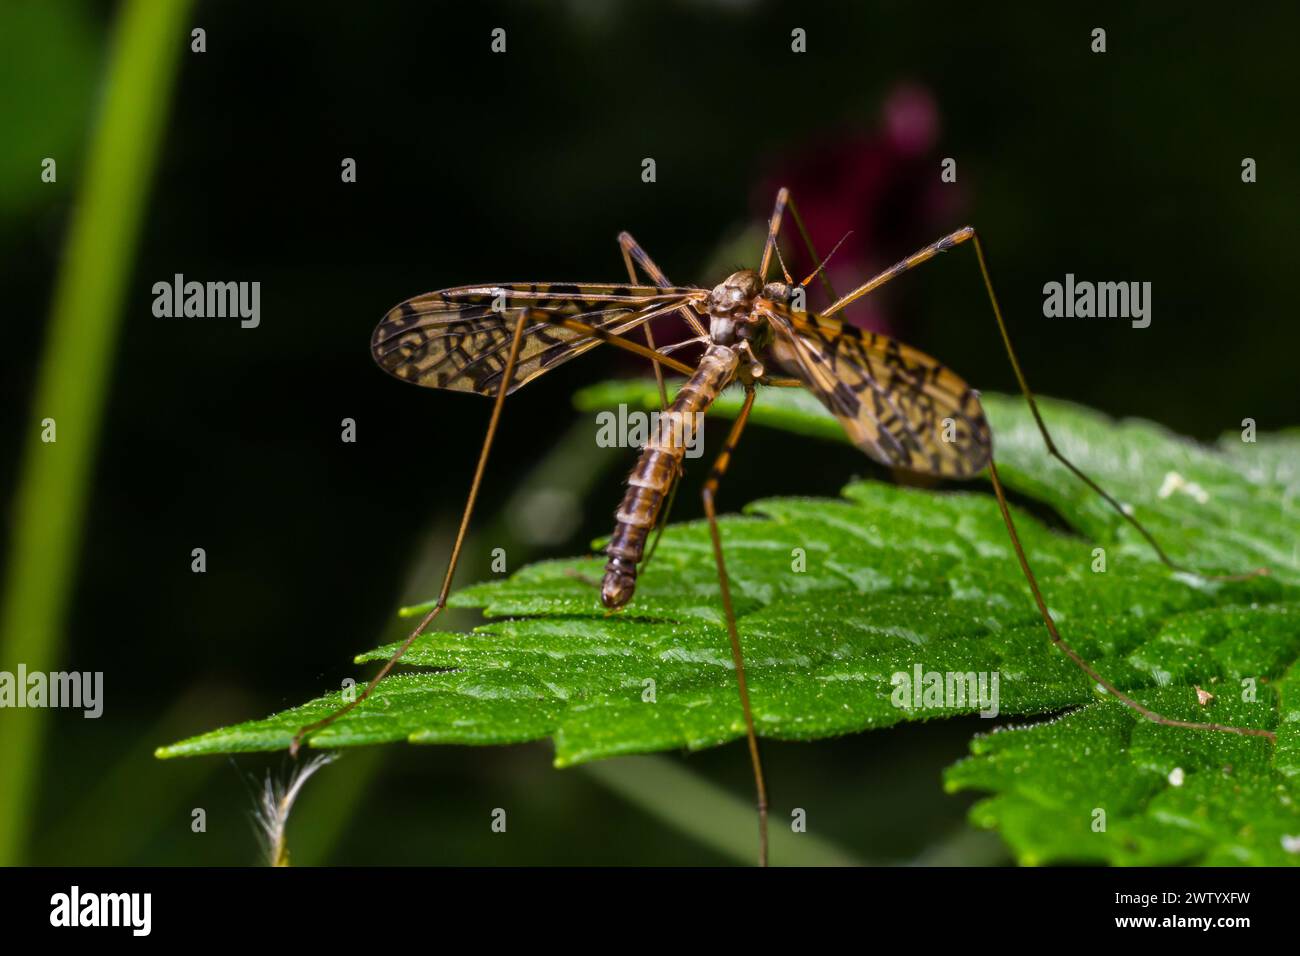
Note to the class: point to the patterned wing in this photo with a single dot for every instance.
(897, 404)
(460, 338)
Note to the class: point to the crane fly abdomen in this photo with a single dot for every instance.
(660, 461)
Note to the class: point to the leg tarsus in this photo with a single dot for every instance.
(570, 573)
(441, 603)
(737, 655)
(632, 251)
(1074, 655)
(306, 731)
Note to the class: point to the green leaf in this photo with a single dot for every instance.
(899, 578)
(1168, 796)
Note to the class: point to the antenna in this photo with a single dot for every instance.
(824, 261)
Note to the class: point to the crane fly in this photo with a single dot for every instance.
(898, 405)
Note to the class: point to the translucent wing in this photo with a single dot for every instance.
(460, 338)
(897, 404)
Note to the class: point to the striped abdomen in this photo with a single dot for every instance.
(650, 480)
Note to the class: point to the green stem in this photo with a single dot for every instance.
(703, 811)
(52, 486)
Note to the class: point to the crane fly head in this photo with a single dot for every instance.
(780, 292)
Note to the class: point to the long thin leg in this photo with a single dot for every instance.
(737, 656)
(504, 387)
(1071, 653)
(632, 251)
(618, 341)
(784, 200)
(773, 230)
(955, 239)
(524, 318)
(662, 522)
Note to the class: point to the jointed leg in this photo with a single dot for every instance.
(524, 318)
(632, 252)
(911, 262)
(784, 199)
(773, 230)
(955, 239)
(455, 550)
(1071, 653)
(611, 338)
(649, 335)
(663, 520)
(710, 488)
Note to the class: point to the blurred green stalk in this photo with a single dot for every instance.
(52, 485)
(704, 811)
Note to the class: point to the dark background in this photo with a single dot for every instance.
(474, 167)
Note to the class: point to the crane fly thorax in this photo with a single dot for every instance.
(730, 308)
